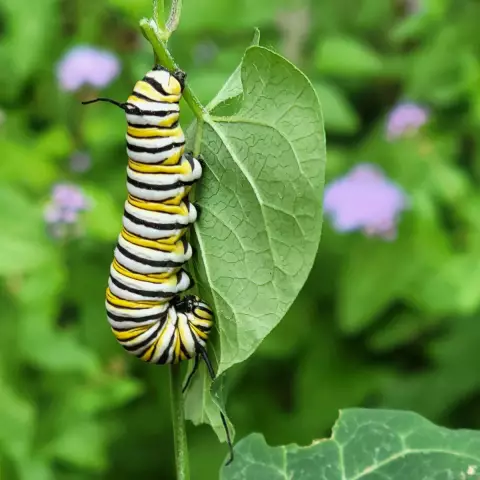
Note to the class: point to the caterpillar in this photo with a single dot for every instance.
(143, 302)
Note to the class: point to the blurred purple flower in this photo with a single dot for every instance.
(84, 65)
(404, 119)
(80, 162)
(413, 6)
(62, 211)
(205, 52)
(365, 200)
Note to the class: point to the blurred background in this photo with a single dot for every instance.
(390, 315)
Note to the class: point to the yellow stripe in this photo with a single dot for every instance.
(173, 160)
(181, 209)
(129, 334)
(146, 89)
(119, 302)
(199, 333)
(176, 88)
(151, 277)
(147, 356)
(202, 314)
(181, 168)
(165, 244)
(154, 132)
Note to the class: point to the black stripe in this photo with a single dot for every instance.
(165, 148)
(204, 309)
(145, 318)
(140, 127)
(152, 186)
(150, 263)
(183, 348)
(143, 344)
(145, 97)
(161, 202)
(164, 357)
(157, 86)
(154, 226)
(143, 293)
(154, 113)
(203, 328)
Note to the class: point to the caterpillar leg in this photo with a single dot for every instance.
(204, 355)
(192, 373)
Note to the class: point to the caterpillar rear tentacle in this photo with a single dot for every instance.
(143, 304)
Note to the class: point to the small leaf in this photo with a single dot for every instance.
(233, 86)
(339, 115)
(23, 244)
(344, 56)
(367, 445)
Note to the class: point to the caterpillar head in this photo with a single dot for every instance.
(193, 305)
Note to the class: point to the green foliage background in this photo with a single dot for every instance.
(392, 325)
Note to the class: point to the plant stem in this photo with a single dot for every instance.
(165, 58)
(178, 419)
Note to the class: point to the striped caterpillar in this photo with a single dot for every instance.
(144, 308)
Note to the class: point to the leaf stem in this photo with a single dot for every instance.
(178, 420)
(165, 58)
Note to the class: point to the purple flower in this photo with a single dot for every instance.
(365, 200)
(62, 211)
(404, 119)
(80, 162)
(413, 6)
(84, 65)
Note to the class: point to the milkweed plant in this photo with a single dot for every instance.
(263, 147)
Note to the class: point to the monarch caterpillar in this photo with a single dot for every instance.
(143, 304)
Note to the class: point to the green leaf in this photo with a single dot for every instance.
(339, 115)
(260, 202)
(202, 408)
(367, 445)
(83, 444)
(364, 291)
(452, 287)
(23, 244)
(233, 86)
(347, 57)
(17, 418)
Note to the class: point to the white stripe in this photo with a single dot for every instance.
(155, 142)
(161, 218)
(151, 119)
(155, 195)
(188, 340)
(145, 157)
(155, 255)
(150, 106)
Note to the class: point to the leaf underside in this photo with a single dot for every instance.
(260, 201)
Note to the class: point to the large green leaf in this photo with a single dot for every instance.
(260, 201)
(367, 445)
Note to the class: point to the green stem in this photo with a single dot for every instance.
(178, 419)
(159, 13)
(165, 58)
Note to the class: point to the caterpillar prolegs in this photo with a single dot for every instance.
(144, 308)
